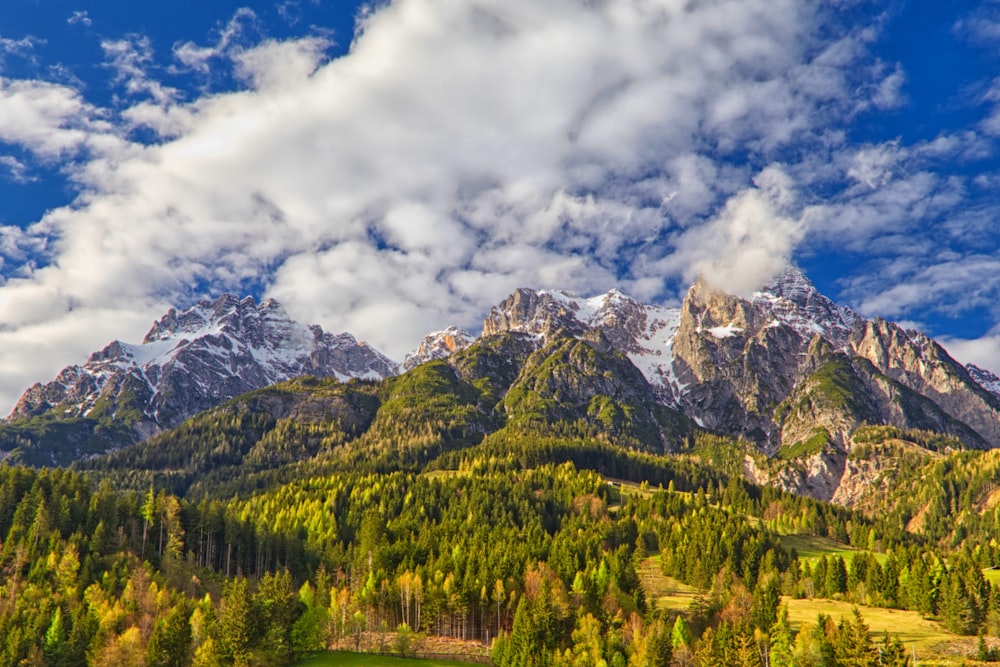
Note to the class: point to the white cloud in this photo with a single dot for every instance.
(199, 58)
(80, 17)
(460, 149)
(19, 47)
(750, 241)
(16, 169)
(50, 120)
(983, 351)
(131, 59)
(273, 64)
(874, 166)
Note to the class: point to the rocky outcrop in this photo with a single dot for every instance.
(195, 359)
(438, 345)
(735, 362)
(918, 363)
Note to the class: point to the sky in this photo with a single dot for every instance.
(392, 168)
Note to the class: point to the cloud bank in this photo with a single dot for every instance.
(459, 149)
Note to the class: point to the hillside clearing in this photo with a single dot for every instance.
(345, 659)
(909, 626)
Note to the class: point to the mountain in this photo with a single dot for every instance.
(806, 383)
(788, 370)
(730, 363)
(438, 345)
(643, 333)
(189, 361)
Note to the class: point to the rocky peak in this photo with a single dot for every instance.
(438, 345)
(733, 360)
(196, 358)
(793, 299)
(541, 313)
(643, 333)
(985, 379)
(923, 366)
(722, 315)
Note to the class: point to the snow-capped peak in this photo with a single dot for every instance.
(644, 333)
(195, 358)
(985, 379)
(438, 345)
(793, 300)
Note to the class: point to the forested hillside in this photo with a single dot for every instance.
(537, 512)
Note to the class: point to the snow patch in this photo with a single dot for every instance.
(727, 331)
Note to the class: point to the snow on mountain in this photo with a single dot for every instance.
(197, 358)
(985, 379)
(642, 332)
(438, 345)
(792, 299)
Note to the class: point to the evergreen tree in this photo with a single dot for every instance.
(236, 622)
(781, 641)
(170, 642)
(956, 606)
(854, 644)
(680, 636)
(764, 612)
(55, 638)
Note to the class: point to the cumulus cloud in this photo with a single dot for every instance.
(983, 351)
(50, 120)
(750, 241)
(459, 150)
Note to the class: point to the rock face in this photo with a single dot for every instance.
(803, 379)
(641, 332)
(438, 345)
(985, 379)
(918, 363)
(787, 369)
(195, 359)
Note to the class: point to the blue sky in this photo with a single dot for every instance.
(393, 168)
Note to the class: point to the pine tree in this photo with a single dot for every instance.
(680, 636)
(854, 644)
(781, 641)
(170, 642)
(235, 622)
(55, 637)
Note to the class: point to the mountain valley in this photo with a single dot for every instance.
(244, 489)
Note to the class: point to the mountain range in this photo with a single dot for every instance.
(807, 384)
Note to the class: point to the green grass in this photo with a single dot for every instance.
(666, 592)
(814, 444)
(812, 548)
(343, 659)
(992, 575)
(909, 626)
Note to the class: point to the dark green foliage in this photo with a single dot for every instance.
(818, 442)
(467, 499)
(48, 440)
(170, 642)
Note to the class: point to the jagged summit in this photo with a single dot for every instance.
(986, 379)
(794, 300)
(193, 359)
(438, 345)
(784, 367)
